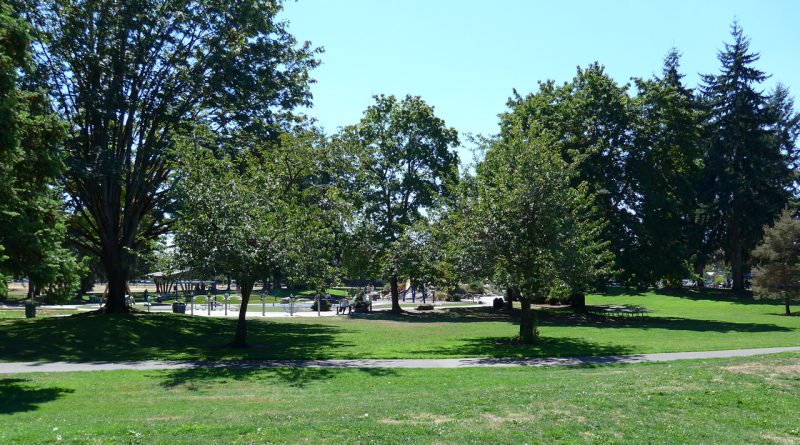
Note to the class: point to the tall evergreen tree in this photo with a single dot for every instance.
(32, 229)
(748, 176)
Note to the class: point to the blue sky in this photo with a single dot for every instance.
(464, 57)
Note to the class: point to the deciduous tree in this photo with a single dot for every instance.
(406, 165)
(129, 77)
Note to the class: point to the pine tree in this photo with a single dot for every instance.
(32, 229)
(778, 255)
(747, 175)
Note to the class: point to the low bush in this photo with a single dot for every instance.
(326, 306)
(475, 287)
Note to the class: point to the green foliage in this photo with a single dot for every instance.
(748, 175)
(588, 123)
(777, 274)
(130, 77)
(326, 305)
(475, 287)
(537, 229)
(275, 206)
(32, 230)
(535, 226)
(406, 166)
(664, 166)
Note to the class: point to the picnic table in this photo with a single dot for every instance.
(624, 310)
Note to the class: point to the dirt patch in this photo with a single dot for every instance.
(761, 369)
(782, 440)
(420, 419)
(164, 418)
(496, 420)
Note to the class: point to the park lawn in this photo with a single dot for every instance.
(690, 322)
(744, 400)
(20, 313)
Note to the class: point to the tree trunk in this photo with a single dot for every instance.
(396, 309)
(786, 304)
(578, 302)
(509, 299)
(736, 254)
(117, 270)
(527, 330)
(240, 339)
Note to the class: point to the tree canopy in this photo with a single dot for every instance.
(777, 272)
(130, 77)
(538, 231)
(32, 226)
(406, 166)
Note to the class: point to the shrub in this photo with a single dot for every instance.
(498, 303)
(475, 287)
(326, 306)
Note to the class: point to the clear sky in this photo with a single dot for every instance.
(465, 56)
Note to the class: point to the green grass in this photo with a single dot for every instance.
(750, 400)
(20, 313)
(686, 322)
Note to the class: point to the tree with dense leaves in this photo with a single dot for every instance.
(663, 167)
(537, 229)
(777, 256)
(588, 120)
(32, 228)
(748, 174)
(406, 165)
(130, 77)
(268, 208)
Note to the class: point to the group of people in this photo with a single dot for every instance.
(363, 300)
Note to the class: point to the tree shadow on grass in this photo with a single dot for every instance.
(18, 396)
(160, 336)
(194, 379)
(567, 319)
(545, 347)
(478, 314)
(708, 294)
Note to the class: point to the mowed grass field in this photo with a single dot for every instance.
(686, 321)
(727, 401)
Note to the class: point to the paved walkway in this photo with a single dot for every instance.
(22, 367)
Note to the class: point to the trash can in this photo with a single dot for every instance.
(30, 310)
(178, 308)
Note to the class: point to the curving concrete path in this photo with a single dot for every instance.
(23, 367)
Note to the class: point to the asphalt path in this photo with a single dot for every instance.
(451, 363)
